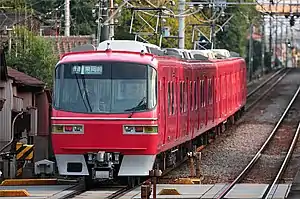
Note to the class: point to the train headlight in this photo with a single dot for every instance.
(57, 128)
(129, 129)
(150, 129)
(67, 128)
(140, 129)
(78, 128)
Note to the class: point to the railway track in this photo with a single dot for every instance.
(264, 148)
(264, 88)
(255, 95)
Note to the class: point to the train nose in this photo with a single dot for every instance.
(109, 137)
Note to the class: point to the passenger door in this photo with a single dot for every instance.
(163, 111)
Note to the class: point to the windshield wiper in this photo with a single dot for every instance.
(86, 94)
(81, 92)
(142, 102)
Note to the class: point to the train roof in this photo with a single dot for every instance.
(203, 53)
(108, 56)
(221, 53)
(133, 51)
(129, 45)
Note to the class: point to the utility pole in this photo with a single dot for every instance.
(67, 17)
(99, 5)
(281, 39)
(250, 52)
(287, 47)
(276, 37)
(212, 30)
(263, 46)
(112, 21)
(270, 41)
(181, 24)
(292, 45)
(105, 28)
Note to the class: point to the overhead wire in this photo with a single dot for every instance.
(179, 15)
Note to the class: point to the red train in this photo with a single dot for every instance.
(121, 112)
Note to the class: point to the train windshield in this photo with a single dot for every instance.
(105, 87)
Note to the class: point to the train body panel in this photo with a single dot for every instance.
(154, 104)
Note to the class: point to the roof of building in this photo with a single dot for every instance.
(64, 44)
(23, 79)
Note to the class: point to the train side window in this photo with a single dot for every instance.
(212, 85)
(202, 91)
(205, 92)
(185, 101)
(196, 94)
(209, 91)
(191, 95)
(219, 86)
(173, 99)
(181, 97)
(169, 98)
(224, 93)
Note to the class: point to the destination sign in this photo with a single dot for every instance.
(87, 70)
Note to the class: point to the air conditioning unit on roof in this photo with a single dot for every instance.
(127, 45)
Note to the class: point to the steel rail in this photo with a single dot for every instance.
(284, 164)
(266, 81)
(267, 91)
(120, 192)
(259, 153)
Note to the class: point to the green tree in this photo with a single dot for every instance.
(234, 36)
(82, 20)
(32, 55)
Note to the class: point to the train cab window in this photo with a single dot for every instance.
(169, 98)
(173, 98)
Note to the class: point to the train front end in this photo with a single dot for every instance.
(104, 118)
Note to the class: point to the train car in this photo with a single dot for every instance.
(119, 113)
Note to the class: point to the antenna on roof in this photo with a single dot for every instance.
(108, 46)
(108, 49)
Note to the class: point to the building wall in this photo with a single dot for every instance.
(27, 98)
(5, 114)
